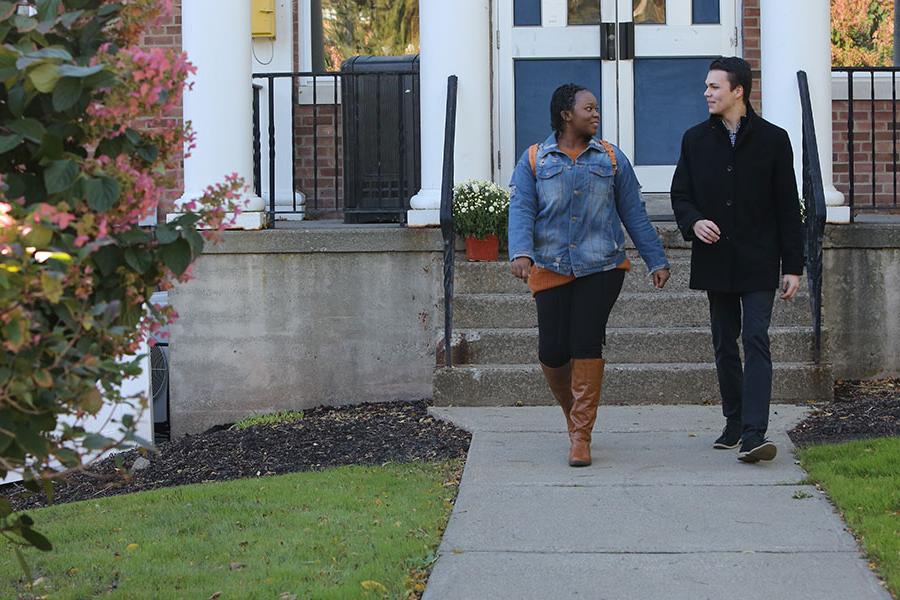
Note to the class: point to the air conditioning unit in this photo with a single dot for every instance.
(159, 373)
(159, 382)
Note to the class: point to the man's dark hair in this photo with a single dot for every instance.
(738, 71)
(563, 99)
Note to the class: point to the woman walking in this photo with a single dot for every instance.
(570, 196)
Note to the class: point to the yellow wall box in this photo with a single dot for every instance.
(263, 20)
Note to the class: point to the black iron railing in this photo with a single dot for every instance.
(447, 231)
(257, 147)
(871, 156)
(814, 202)
(354, 144)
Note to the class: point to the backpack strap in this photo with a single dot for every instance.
(612, 155)
(532, 157)
(533, 149)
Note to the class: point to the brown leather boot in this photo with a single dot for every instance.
(560, 381)
(587, 378)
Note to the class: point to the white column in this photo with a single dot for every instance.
(220, 105)
(797, 36)
(454, 40)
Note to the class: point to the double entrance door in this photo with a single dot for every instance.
(645, 60)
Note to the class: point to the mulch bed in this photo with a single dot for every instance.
(390, 432)
(860, 410)
(370, 434)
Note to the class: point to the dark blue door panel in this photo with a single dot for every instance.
(535, 81)
(526, 13)
(668, 99)
(705, 12)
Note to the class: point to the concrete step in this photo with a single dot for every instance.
(658, 308)
(495, 278)
(624, 345)
(652, 383)
(659, 208)
(665, 227)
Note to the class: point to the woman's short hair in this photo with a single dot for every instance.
(563, 99)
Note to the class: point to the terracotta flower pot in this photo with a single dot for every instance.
(482, 249)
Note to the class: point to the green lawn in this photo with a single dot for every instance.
(349, 532)
(863, 480)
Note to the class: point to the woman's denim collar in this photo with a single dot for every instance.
(549, 145)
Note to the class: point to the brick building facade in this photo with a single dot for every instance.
(318, 135)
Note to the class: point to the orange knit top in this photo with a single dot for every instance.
(540, 279)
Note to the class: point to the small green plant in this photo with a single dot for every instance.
(801, 495)
(277, 418)
(480, 208)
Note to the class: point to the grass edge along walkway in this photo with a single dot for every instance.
(347, 532)
(862, 480)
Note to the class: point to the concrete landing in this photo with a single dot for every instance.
(659, 514)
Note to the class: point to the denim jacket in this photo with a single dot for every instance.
(567, 217)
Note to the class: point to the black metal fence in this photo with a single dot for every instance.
(354, 144)
(865, 145)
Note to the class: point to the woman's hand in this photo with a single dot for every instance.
(521, 268)
(660, 277)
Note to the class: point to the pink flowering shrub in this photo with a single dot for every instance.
(80, 166)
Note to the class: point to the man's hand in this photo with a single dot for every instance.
(521, 268)
(707, 231)
(789, 286)
(660, 277)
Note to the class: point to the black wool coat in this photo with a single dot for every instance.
(750, 192)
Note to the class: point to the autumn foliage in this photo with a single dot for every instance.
(862, 33)
(80, 168)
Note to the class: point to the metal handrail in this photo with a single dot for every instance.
(447, 216)
(814, 201)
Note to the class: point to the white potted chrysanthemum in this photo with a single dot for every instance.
(480, 214)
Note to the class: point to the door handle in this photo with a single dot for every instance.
(607, 41)
(626, 40)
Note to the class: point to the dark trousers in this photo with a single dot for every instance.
(746, 389)
(572, 318)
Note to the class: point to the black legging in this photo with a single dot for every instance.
(572, 318)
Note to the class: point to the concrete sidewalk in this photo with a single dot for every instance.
(659, 514)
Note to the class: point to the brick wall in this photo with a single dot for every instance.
(317, 136)
(752, 54)
(168, 35)
(330, 197)
(885, 159)
(885, 129)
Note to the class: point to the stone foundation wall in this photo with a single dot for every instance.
(861, 300)
(291, 319)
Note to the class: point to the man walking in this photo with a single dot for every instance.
(735, 197)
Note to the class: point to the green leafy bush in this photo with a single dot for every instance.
(85, 148)
(480, 208)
